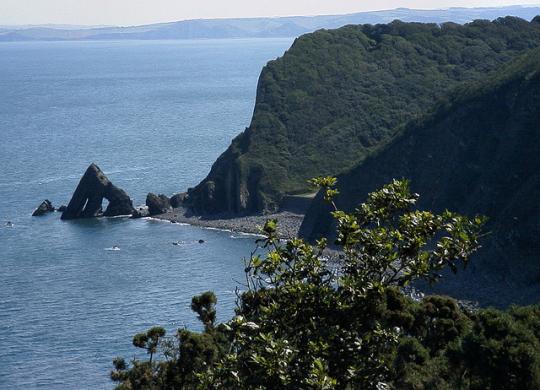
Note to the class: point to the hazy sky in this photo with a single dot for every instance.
(132, 12)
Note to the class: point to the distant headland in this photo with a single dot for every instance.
(281, 27)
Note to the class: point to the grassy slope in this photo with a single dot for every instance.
(337, 95)
(478, 153)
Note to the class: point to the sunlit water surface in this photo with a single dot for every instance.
(153, 116)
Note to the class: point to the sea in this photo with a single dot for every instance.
(154, 116)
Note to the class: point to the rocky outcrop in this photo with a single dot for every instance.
(178, 200)
(157, 204)
(88, 197)
(230, 189)
(44, 208)
(119, 202)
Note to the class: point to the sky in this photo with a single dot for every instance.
(136, 12)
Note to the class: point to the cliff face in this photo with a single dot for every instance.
(338, 95)
(479, 154)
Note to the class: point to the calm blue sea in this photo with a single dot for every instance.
(153, 116)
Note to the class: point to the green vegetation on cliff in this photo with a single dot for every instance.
(336, 96)
(307, 322)
(478, 152)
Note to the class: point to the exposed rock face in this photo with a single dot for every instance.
(88, 197)
(178, 199)
(157, 204)
(44, 208)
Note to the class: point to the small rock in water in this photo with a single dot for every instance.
(61, 209)
(9, 224)
(201, 241)
(44, 208)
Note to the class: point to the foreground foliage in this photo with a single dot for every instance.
(307, 320)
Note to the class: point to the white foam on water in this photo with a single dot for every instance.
(156, 219)
(120, 216)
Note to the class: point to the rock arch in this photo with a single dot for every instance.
(88, 197)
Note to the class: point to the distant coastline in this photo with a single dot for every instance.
(280, 27)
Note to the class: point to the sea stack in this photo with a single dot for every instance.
(88, 197)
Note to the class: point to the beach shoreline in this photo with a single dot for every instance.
(288, 223)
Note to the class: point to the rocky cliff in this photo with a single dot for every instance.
(336, 96)
(478, 153)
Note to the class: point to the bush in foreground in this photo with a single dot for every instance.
(307, 320)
